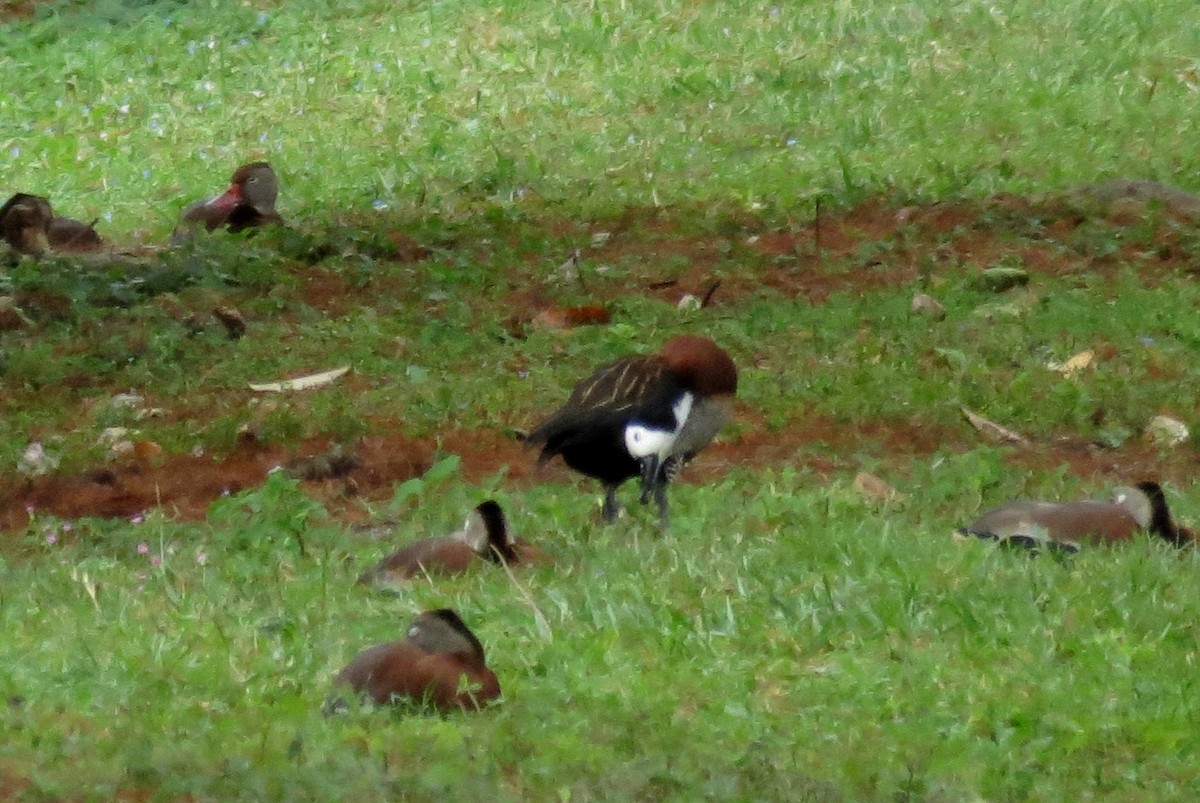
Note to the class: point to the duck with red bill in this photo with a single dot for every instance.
(247, 203)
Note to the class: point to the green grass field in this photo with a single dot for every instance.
(788, 638)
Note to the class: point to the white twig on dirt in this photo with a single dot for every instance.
(993, 430)
(301, 382)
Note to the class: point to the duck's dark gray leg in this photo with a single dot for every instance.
(612, 508)
(660, 497)
(651, 470)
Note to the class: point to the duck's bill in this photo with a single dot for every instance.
(650, 477)
(231, 198)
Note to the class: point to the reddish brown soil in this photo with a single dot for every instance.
(874, 245)
(185, 485)
(17, 9)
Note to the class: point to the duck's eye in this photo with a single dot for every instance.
(252, 180)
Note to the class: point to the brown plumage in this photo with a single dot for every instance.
(29, 226)
(439, 662)
(643, 415)
(1062, 526)
(249, 202)
(483, 537)
(24, 223)
(68, 234)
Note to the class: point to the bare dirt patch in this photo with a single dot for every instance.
(17, 9)
(185, 485)
(877, 245)
(660, 253)
(1132, 463)
(873, 246)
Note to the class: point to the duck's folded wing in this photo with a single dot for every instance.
(630, 388)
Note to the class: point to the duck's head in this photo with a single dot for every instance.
(1153, 514)
(252, 185)
(25, 223)
(443, 632)
(486, 532)
(704, 367)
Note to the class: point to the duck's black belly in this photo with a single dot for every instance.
(600, 452)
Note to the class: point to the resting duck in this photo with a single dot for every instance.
(68, 234)
(484, 536)
(29, 226)
(428, 666)
(24, 223)
(643, 415)
(1062, 526)
(249, 202)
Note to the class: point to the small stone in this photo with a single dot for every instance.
(875, 490)
(112, 435)
(1166, 431)
(569, 270)
(117, 440)
(927, 305)
(130, 400)
(999, 279)
(36, 461)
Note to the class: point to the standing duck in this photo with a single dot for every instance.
(427, 666)
(643, 415)
(249, 202)
(484, 536)
(1061, 526)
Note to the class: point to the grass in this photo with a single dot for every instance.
(787, 639)
(440, 108)
(763, 658)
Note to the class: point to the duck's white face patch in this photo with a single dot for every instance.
(682, 409)
(642, 441)
(1136, 503)
(474, 532)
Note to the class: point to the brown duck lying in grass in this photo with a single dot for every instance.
(1063, 526)
(440, 663)
(248, 202)
(484, 537)
(29, 226)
